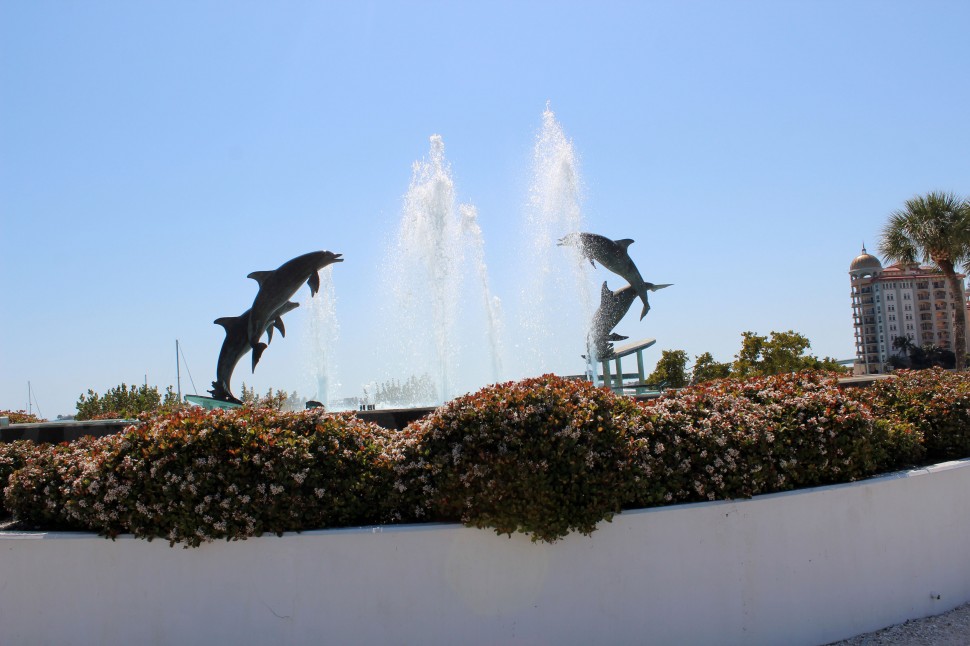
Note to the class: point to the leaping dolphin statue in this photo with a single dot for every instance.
(613, 255)
(236, 345)
(277, 286)
(613, 307)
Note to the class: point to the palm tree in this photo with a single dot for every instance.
(933, 228)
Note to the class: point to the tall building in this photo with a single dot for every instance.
(904, 300)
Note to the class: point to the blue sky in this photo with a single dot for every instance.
(152, 154)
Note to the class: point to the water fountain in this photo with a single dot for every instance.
(556, 302)
(320, 339)
(439, 303)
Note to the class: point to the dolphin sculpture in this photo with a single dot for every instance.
(277, 286)
(236, 345)
(613, 307)
(613, 255)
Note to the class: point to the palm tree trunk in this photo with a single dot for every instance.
(960, 320)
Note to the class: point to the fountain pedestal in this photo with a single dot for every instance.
(616, 383)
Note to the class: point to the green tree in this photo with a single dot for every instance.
(277, 400)
(780, 353)
(124, 402)
(748, 361)
(933, 228)
(671, 369)
(920, 358)
(707, 369)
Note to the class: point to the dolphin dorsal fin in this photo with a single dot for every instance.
(259, 276)
(624, 243)
(229, 322)
(314, 282)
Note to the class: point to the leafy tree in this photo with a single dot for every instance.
(707, 369)
(277, 400)
(124, 401)
(671, 369)
(780, 353)
(920, 358)
(934, 228)
(748, 361)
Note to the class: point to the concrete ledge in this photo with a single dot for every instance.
(805, 567)
(67, 431)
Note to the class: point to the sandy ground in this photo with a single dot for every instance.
(949, 629)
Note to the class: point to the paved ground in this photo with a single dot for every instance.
(949, 629)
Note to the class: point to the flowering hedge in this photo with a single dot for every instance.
(193, 476)
(738, 438)
(935, 401)
(20, 417)
(13, 456)
(544, 456)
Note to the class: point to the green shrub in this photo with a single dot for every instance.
(542, 456)
(20, 417)
(738, 438)
(13, 456)
(935, 401)
(124, 402)
(195, 476)
(42, 493)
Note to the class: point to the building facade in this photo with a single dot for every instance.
(899, 301)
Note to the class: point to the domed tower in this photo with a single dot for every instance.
(863, 271)
(864, 264)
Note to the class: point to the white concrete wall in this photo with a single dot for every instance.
(797, 568)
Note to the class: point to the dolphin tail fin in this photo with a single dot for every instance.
(616, 337)
(257, 353)
(314, 282)
(654, 288)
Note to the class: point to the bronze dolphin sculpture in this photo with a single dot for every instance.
(613, 255)
(613, 307)
(236, 345)
(277, 286)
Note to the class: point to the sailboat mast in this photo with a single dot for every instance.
(178, 374)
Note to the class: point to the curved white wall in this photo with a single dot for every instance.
(796, 568)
